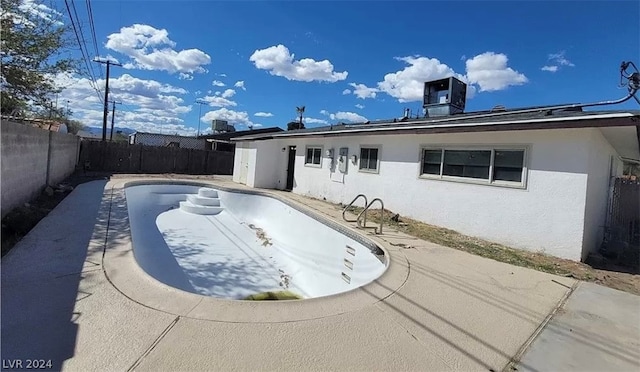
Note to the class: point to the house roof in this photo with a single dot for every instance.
(161, 134)
(530, 118)
(231, 135)
(621, 128)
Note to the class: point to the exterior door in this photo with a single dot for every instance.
(244, 166)
(291, 166)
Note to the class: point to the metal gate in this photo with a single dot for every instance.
(622, 238)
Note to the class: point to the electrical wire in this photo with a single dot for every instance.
(633, 79)
(93, 31)
(84, 42)
(84, 56)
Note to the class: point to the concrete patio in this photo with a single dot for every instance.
(72, 293)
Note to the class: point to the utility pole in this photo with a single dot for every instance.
(199, 102)
(113, 117)
(106, 97)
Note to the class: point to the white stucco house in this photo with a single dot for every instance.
(536, 179)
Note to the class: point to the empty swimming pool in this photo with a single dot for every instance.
(238, 245)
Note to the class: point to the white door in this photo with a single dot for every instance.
(244, 166)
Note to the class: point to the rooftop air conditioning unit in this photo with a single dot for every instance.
(444, 97)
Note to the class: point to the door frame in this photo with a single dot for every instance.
(291, 167)
(244, 166)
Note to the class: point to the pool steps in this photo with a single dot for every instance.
(348, 264)
(206, 202)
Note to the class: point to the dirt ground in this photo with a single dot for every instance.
(21, 220)
(598, 271)
(17, 223)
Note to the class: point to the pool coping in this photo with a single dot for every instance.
(123, 272)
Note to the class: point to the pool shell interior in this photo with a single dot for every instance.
(248, 250)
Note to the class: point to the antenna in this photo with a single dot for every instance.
(633, 79)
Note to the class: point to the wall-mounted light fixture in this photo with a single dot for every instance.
(354, 159)
(284, 149)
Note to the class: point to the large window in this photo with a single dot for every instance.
(493, 165)
(369, 159)
(314, 156)
(468, 164)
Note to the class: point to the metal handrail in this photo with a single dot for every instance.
(350, 204)
(364, 212)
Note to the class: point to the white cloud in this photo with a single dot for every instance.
(360, 106)
(217, 83)
(314, 121)
(347, 116)
(151, 49)
(237, 118)
(218, 101)
(407, 84)
(345, 92)
(263, 114)
(197, 93)
(559, 59)
(146, 88)
(148, 105)
(109, 58)
(324, 112)
(280, 62)
(184, 76)
(41, 10)
(489, 70)
(222, 75)
(240, 84)
(362, 91)
(228, 93)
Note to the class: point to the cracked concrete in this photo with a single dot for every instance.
(83, 302)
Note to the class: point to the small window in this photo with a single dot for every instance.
(507, 165)
(314, 155)
(369, 159)
(467, 163)
(431, 160)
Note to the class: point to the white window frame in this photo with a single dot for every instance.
(313, 165)
(377, 147)
(477, 181)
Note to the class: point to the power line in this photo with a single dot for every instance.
(84, 42)
(93, 30)
(84, 57)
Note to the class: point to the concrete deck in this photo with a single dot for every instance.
(72, 293)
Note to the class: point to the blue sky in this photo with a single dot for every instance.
(345, 61)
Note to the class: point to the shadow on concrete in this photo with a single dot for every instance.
(41, 278)
(596, 342)
(457, 285)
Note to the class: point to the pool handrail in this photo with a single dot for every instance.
(344, 211)
(364, 213)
